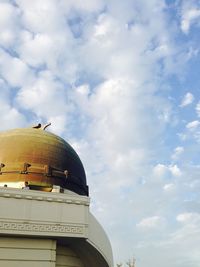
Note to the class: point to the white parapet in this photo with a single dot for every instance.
(63, 218)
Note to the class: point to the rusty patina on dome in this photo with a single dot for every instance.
(41, 158)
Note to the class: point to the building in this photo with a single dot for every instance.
(45, 219)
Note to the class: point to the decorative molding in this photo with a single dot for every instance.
(45, 196)
(38, 228)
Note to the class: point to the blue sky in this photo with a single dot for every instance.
(119, 80)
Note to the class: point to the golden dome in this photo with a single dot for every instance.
(41, 158)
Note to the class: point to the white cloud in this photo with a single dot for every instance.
(87, 6)
(182, 136)
(14, 70)
(177, 152)
(188, 217)
(36, 49)
(10, 116)
(161, 170)
(175, 170)
(187, 100)
(193, 131)
(193, 125)
(151, 222)
(8, 27)
(35, 16)
(189, 18)
(59, 124)
(198, 109)
(169, 187)
(46, 97)
(190, 14)
(83, 89)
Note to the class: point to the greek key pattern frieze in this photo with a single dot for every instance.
(42, 227)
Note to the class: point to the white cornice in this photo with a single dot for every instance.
(69, 198)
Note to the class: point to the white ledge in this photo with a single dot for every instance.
(70, 198)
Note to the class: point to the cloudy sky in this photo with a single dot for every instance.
(119, 80)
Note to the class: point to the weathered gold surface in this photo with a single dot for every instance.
(39, 157)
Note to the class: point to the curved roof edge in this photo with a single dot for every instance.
(98, 239)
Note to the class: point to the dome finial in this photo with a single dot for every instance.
(40, 125)
(47, 125)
